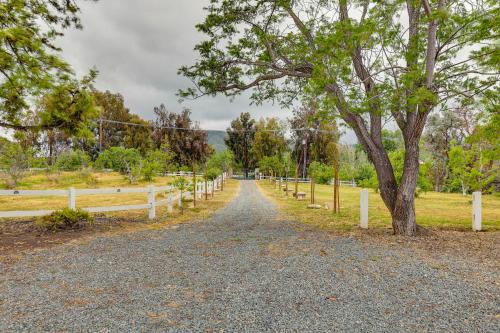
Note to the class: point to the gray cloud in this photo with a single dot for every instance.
(137, 46)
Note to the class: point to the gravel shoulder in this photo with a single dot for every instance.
(244, 270)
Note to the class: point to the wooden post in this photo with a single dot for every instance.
(312, 191)
(222, 182)
(336, 192)
(363, 209)
(476, 211)
(213, 188)
(72, 198)
(194, 187)
(151, 202)
(206, 189)
(296, 180)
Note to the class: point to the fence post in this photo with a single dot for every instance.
(476, 211)
(179, 200)
(72, 198)
(199, 190)
(363, 206)
(170, 207)
(151, 202)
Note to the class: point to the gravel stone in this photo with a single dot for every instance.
(243, 270)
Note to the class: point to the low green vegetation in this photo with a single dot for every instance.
(64, 219)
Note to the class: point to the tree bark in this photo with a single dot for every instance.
(403, 215)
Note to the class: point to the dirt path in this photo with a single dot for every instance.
(243, 270)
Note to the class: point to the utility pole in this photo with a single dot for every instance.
(304, 143)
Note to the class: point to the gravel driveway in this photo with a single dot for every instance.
(243, 270)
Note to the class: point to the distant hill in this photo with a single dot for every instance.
(216, 139)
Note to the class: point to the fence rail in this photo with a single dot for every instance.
(351, 183)
(151, 191)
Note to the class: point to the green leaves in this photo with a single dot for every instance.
(30, 65)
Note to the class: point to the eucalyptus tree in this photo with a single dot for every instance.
(364, 60)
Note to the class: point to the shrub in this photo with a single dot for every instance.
(212, 173)
(65, 219)
(14, 160)
(321, 173)
(87, 176)
(118, 159)
(72, 160)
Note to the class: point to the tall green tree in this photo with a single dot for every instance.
(112, 107)
(362, 59)
(185, 139)
(240, 138)
(30, 63)
(269, 138)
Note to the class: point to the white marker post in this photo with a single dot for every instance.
(72, 198)
(476, 211)
(199, 190)
(151, 202)
(170, 203)
(363, 209)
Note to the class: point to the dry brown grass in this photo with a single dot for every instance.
(17, 236)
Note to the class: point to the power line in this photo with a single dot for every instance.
(150, 125)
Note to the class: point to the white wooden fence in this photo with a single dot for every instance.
(476, 210)
(73, 193)
(350, 183)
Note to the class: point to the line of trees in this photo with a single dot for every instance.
(263, 144)
(130, 145)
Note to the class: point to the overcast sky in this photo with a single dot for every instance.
(138, 46)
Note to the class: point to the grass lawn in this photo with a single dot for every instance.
(447, 211)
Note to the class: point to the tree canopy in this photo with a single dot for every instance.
(30, 64)
(365, 61)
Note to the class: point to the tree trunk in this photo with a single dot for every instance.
(194, 185)
(402, 205)
(206, 189)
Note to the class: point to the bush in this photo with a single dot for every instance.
(14, 160)
(118, 159)
(321, 173)
(72, 160)
(65, 219)
(87, 176)
(212, 174)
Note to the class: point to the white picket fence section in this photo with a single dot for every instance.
(73, 193)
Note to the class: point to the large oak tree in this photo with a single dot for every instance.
(367, 60)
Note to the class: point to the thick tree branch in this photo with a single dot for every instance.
(302, 27)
